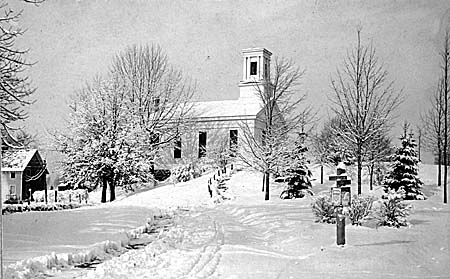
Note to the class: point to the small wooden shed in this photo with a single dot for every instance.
(23, 172)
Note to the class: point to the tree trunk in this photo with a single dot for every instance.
(321, 174)
(359, 170)
(266, 175)
(264, 181)
(445, 143)
(104, 188)
(112, 189)
(439, 178)
(46, 192)
(446, 64)
(371, 168)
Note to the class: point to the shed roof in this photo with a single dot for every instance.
(16, 159)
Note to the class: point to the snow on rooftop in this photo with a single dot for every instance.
(17, 159)
(226, 108)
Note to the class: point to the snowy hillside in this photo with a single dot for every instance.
(247, 237)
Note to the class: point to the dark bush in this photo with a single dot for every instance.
(361, 207)
(393, 211)
(323, 210)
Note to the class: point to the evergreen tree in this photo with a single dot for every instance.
(297, 170)
(404, 170)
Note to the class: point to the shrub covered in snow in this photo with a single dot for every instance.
(361, 207)
(186, 172)
(393, 212)
(13, 208)
(323, 209)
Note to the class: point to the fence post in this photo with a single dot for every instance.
(209, 189)
(29, 197)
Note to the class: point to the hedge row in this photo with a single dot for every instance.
(13, 208)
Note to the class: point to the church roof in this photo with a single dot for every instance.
(16, 159)
(227, 109)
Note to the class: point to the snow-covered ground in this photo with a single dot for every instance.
(247, 237)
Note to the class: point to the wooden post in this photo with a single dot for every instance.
(46, 192)
(340, 227)
(321, 174)
(29, 196)
(209, 189)
(56, 195)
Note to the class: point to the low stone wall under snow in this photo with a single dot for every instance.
(36, 267)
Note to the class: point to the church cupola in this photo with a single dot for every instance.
(255, 69)
(256, 64)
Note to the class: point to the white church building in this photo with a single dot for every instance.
(216, 122)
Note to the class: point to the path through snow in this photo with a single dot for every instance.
(252, 238)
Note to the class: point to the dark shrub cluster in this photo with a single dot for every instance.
(323, 210)
(393, 211)
(186, 172)
(13, 208)
(361, 207)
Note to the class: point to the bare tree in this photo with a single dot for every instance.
(445, 64)
(160, 97)
(433, 126)
(101, 144)
(378, 151)
(15, 88)
(120, 122)
(363, 99)
(268, 151)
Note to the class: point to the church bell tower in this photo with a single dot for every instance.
(255, 71)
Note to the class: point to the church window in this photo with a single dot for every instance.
(13, 175)
(177, 149)
(156, 102)
(201, 144)
(233, 139)
(253, 68)
(155, 139)
(12, 189)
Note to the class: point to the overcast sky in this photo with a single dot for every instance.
(71, 41)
